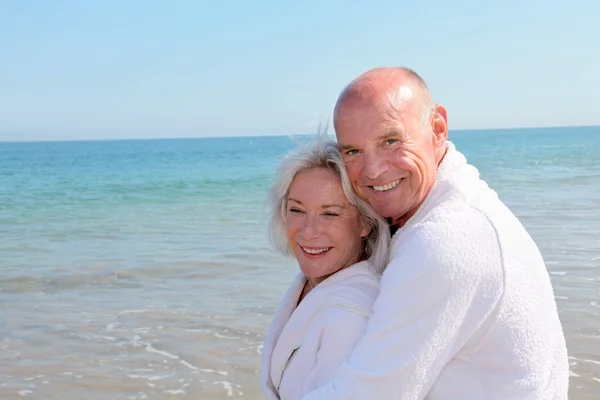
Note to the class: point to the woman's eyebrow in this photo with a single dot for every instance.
(332, 205)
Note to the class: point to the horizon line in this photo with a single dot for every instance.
(115, 139)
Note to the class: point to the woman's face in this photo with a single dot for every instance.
(323, 228)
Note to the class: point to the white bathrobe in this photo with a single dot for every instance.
(466, 309)
(305, 344)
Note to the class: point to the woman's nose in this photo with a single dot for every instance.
(311, 228)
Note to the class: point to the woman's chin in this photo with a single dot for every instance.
(310, 272)
(316, 273)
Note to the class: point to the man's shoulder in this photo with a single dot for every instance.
(449, 224)
(453, 242)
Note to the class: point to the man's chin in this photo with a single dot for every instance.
(389, 212)
(385, 209)
(385, 213)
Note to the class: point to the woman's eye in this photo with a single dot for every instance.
(295, 210)
(331, 214)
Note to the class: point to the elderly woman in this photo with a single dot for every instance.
(341, 246)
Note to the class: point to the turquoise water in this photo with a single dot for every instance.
(141, 269)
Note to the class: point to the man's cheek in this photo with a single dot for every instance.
(354, 171)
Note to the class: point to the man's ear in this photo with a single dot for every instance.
(439, 125)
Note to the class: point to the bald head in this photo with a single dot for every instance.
(394, 87)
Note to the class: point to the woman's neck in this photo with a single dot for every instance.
(311, 283)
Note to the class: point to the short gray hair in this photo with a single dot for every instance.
(324, 153)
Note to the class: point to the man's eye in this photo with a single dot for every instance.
(391, 141)
(351, 152)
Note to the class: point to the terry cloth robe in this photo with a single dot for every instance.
(305, 344)
(465, 310)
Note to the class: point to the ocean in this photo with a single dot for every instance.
(140, 269)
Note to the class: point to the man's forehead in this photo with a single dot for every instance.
(372, 118)
(365, 95)
(375, 110)
(400, 97)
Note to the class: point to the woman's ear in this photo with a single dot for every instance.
(366, 229)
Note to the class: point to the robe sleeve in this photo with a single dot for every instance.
(340, 334)
(440, 287)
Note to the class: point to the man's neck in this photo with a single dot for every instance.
(392, 226)
(400, 222)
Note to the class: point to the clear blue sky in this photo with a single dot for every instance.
(129, 69)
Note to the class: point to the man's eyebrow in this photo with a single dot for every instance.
(390, 135)
(346, 147)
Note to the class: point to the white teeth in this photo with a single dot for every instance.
(387, 186)
(315, 251)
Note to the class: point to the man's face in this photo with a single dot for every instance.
(390, 154)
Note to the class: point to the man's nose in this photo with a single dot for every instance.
(374, 165)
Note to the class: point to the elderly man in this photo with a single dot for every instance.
(466, 308)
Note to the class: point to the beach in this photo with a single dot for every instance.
(141, 269)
